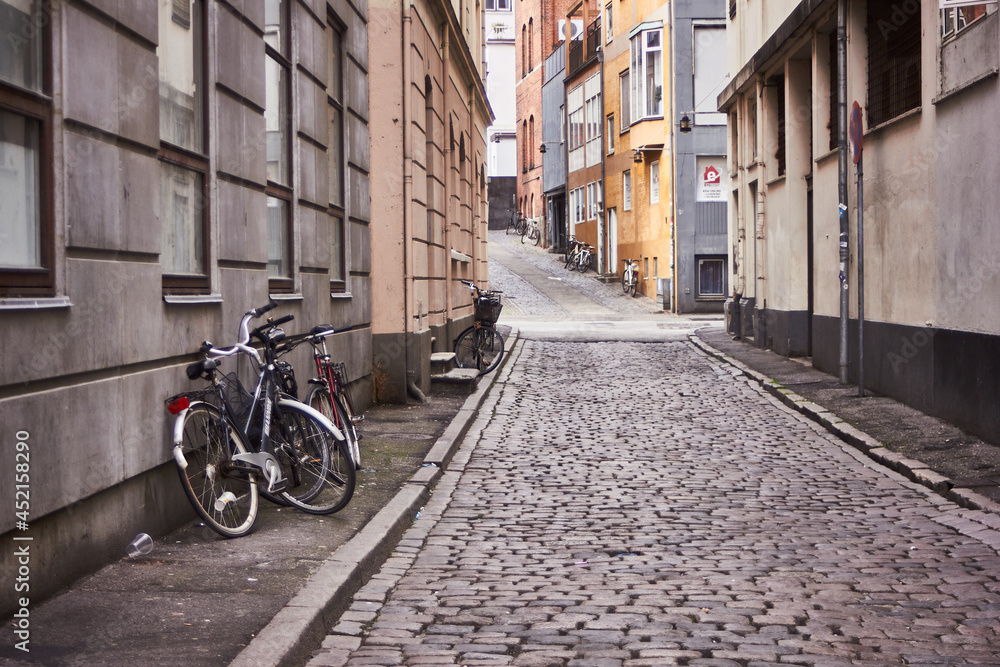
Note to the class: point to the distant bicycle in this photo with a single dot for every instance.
(583, 258)
(630, 276)
(531, 231)
(517, 223)
(481, 345)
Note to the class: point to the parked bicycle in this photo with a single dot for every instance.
(630, 276)
(583, 257)
(517, 223)
(328, 390)
(481, 345)
(531, 231)
(573, 248)
(230, 446)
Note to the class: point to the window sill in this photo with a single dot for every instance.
(192, 299)
(947, 95)
(340, 296)
(898, 119)
(26, 303)
(776, 181)
(284, 296)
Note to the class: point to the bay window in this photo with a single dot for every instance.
(646, 74)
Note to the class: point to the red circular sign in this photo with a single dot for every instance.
(855, 130)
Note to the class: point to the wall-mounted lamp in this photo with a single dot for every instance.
(637, 156)
(685, 125)
(542, 149)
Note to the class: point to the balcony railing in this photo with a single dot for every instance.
(582, 51)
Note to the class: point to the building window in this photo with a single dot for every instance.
(752, 125)
(893, 61)
(711, 278)
(498, 5)
(626, 117)
(627, 190)
(183, 161)
(26, 223)
(778, 85)
(524, 54)
(654, 182)
(611, 133)
(335, 91)
(577, 205)
(277, 100)
(531, 43)
(646, 74)
(577, 131)
(591, 201)
(608, 23)
(955, 20)
(593, 110)
(532, 147)
(524, 146)
(710, 74)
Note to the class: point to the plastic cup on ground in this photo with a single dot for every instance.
(140, 546)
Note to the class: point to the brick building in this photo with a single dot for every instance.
(539, 28)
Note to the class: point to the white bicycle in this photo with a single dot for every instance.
(630, 277)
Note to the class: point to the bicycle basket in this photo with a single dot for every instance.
(488, 308)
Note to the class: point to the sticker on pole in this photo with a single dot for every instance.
(855, 130)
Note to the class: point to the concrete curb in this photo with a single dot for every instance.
(915, 471)
(302, 624)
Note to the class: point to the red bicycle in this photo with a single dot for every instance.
(328, 391)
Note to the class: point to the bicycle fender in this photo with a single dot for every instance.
(314, 413)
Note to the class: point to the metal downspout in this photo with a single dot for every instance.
(407, 185)
(842, 150)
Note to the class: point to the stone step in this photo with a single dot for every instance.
(458, 381)
(442, 362)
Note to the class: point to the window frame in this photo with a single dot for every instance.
(627, 190)
(624, 101)
(700, 294)
(610, 120)
(36, 106)
(955, 16)
(639, 54)
(195, 161)
(276, 189)
(608, 22)
(337, 210)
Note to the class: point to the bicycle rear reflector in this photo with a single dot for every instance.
(178, 405)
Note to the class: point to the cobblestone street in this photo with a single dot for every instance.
(636, 504)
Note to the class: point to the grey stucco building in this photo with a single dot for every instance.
(164, 167)
(700, 204)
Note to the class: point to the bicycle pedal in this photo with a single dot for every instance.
(357, 420)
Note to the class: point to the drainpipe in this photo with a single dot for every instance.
(407, 184)
(602, 214)
(446, 140)
(842, 144)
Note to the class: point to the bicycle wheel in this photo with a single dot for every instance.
(522, 224)
(490, 345)
(480, 348)
(535, 236)
(625, 281)
(226, 501)
(339, 414)
(317, 465)
(634, 286)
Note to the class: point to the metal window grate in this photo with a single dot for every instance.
(893, 61)
(779, 97)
